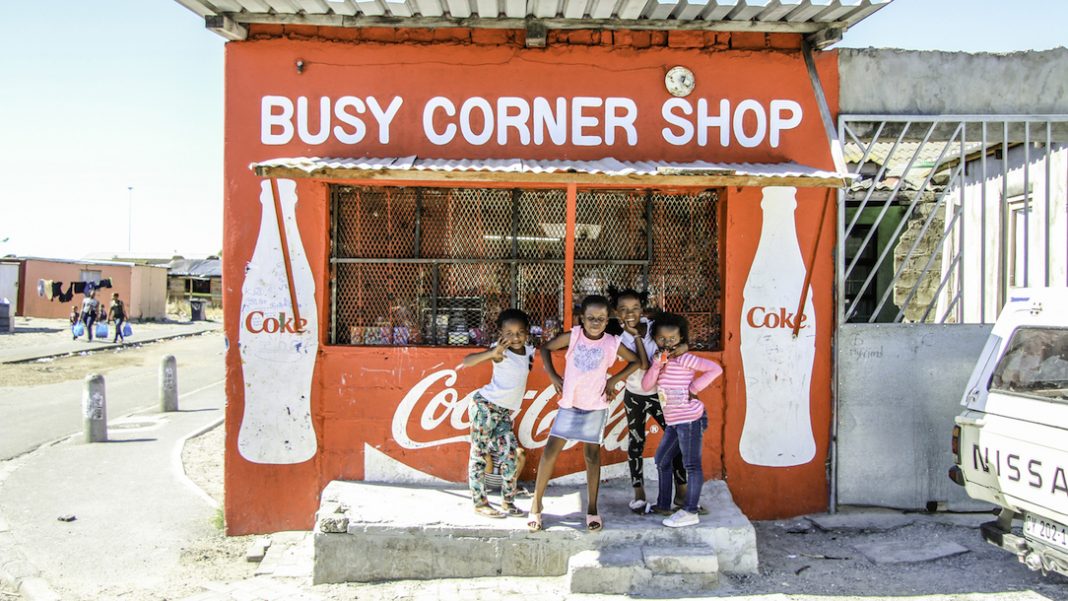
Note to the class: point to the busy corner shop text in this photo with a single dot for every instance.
(510, 120)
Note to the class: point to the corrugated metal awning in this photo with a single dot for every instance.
(799, 16)
(606, 171)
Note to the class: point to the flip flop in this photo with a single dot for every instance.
(594, 522)
(637, 505)
(534, 521)
(488, 511)
(513, 511)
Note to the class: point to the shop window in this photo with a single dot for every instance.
(434, 266)
(1020, 217)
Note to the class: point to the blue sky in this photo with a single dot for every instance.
(99, 96)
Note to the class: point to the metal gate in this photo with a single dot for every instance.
(946, 216)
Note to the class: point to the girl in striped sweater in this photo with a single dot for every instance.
(677, 383)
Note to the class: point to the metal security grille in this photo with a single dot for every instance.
(434, 266)
(667, 244)
(949, 214)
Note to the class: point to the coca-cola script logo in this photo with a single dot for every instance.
(763, 317)
(446, 406)
(256, 323)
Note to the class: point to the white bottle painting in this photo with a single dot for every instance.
(277, 353)
(778, 367)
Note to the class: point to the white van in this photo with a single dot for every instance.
(1011, 442)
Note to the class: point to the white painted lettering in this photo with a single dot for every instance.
(546, 120)
(480, 103)
(302, 121)
(722, 121)
(384, 118)
(750, 106)
(580, 121)
(668, 113)
(270, 120)
(359, 129)
(507, 119)
(625, 121)
(447, 107)
(779, 122)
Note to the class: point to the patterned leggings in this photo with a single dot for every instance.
(639, 409)
(491, 434)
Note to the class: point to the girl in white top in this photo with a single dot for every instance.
(492, 409)
(640, 403)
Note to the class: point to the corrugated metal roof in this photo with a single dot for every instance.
(399, 166)
(759, 15)
(200, 268)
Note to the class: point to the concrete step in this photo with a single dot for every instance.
(613, 571)
(686, 571)
(367, 532)
(650, 571)
(693, 559)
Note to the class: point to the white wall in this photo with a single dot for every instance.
(982, 280)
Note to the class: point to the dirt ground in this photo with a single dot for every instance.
(202, 457)
(41, 332)
(796, 558)
(50, 371)
(826, 563)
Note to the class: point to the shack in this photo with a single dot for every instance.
(399, 172)
(50, 286)
(189, 279)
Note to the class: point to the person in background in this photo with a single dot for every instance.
(492, 408)
(677, 384)
(584, 392)
(90, 306)
(117, 314)
(75, 317)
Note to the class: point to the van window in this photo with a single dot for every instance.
(1035, 363)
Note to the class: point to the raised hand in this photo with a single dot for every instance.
(499, 350)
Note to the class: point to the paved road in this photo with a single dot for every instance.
(134, 512)
(33, 415)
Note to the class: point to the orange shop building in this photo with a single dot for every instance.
(391, 187)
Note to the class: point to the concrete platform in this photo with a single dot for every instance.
(371, 531)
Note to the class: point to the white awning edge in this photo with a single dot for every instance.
(550, 171)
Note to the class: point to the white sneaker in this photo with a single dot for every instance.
(682, 518)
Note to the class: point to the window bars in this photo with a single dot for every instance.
(949, 214)
(434, 266)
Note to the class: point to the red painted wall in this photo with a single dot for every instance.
(357, 390)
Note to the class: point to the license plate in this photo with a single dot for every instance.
(1046, 531)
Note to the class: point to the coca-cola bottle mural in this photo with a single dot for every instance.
(778, 367)
(278, 349)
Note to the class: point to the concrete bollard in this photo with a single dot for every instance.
(168, 384)
(95, 409)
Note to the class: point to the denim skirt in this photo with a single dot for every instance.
(579, 424)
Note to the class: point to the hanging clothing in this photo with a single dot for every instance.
(104, 283)
(79, 287)
(65, 297)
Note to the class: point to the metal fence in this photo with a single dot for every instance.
(948, 214)
(434, 266)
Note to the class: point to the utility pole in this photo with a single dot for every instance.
(129, 221)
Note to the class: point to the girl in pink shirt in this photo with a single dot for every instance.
(677, 385)
(584, 391)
